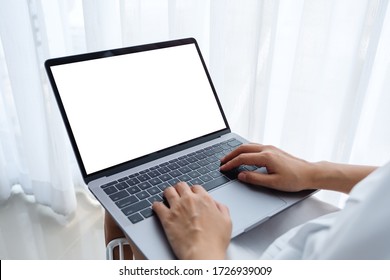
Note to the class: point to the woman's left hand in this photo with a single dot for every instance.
(197, 227)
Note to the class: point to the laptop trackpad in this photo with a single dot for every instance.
(248, 205)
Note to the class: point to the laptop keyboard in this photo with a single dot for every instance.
(135, 194)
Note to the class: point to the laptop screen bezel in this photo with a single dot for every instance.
(146, 158)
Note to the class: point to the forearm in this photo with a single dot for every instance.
(338, 177)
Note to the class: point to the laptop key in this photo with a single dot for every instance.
(142, 195)
(174, 181)
(109, 184)
(119, 195)
(165, 177)
(184, 178)
(133, 175)
(129, 210)
(234, 143)
(164, 185)
(217, 150)
(209, 152)
(185, 169)
(203, 162)
(154, 190)
(192, 159)
(200, 156)
(155, 181)
(182, 162)
(163, 170)
(133, 189)
(133, 181)
(123, 179)
(126, 201)
(144, 185)
(206, 178)
(135, 218)
(175, 173)
(215, 174)
(225, 146)
(222, 154)
(153, 174)
(194, 166)
(213, 166)
(196, 182)
(121, 186)
(212, 159)
(148, 212)
(203, 170)
(143, 177)
(173, 166)
(155, 198)
(215, 183)
(194, 174)
(110, 190)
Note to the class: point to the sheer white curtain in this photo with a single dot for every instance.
(308, 76)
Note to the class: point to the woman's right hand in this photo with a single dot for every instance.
(284, 171)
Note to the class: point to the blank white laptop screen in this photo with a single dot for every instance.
(127, 106)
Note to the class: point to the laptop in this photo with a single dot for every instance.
(143, 118)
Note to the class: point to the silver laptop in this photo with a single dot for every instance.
(143, 118)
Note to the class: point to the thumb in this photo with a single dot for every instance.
(255, 178)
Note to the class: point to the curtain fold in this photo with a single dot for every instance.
(311, 77)
(102, 22)
(39, 162)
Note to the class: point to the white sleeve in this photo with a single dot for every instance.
(360, 231)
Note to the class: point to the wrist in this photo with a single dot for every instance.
(323, 175)
(310, 176)
(337, 177)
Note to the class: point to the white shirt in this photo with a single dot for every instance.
(359, 231)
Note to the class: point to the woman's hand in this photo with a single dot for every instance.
(197, 227)
(285, 172)
(288, 173)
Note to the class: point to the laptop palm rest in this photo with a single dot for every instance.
(259, 204)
